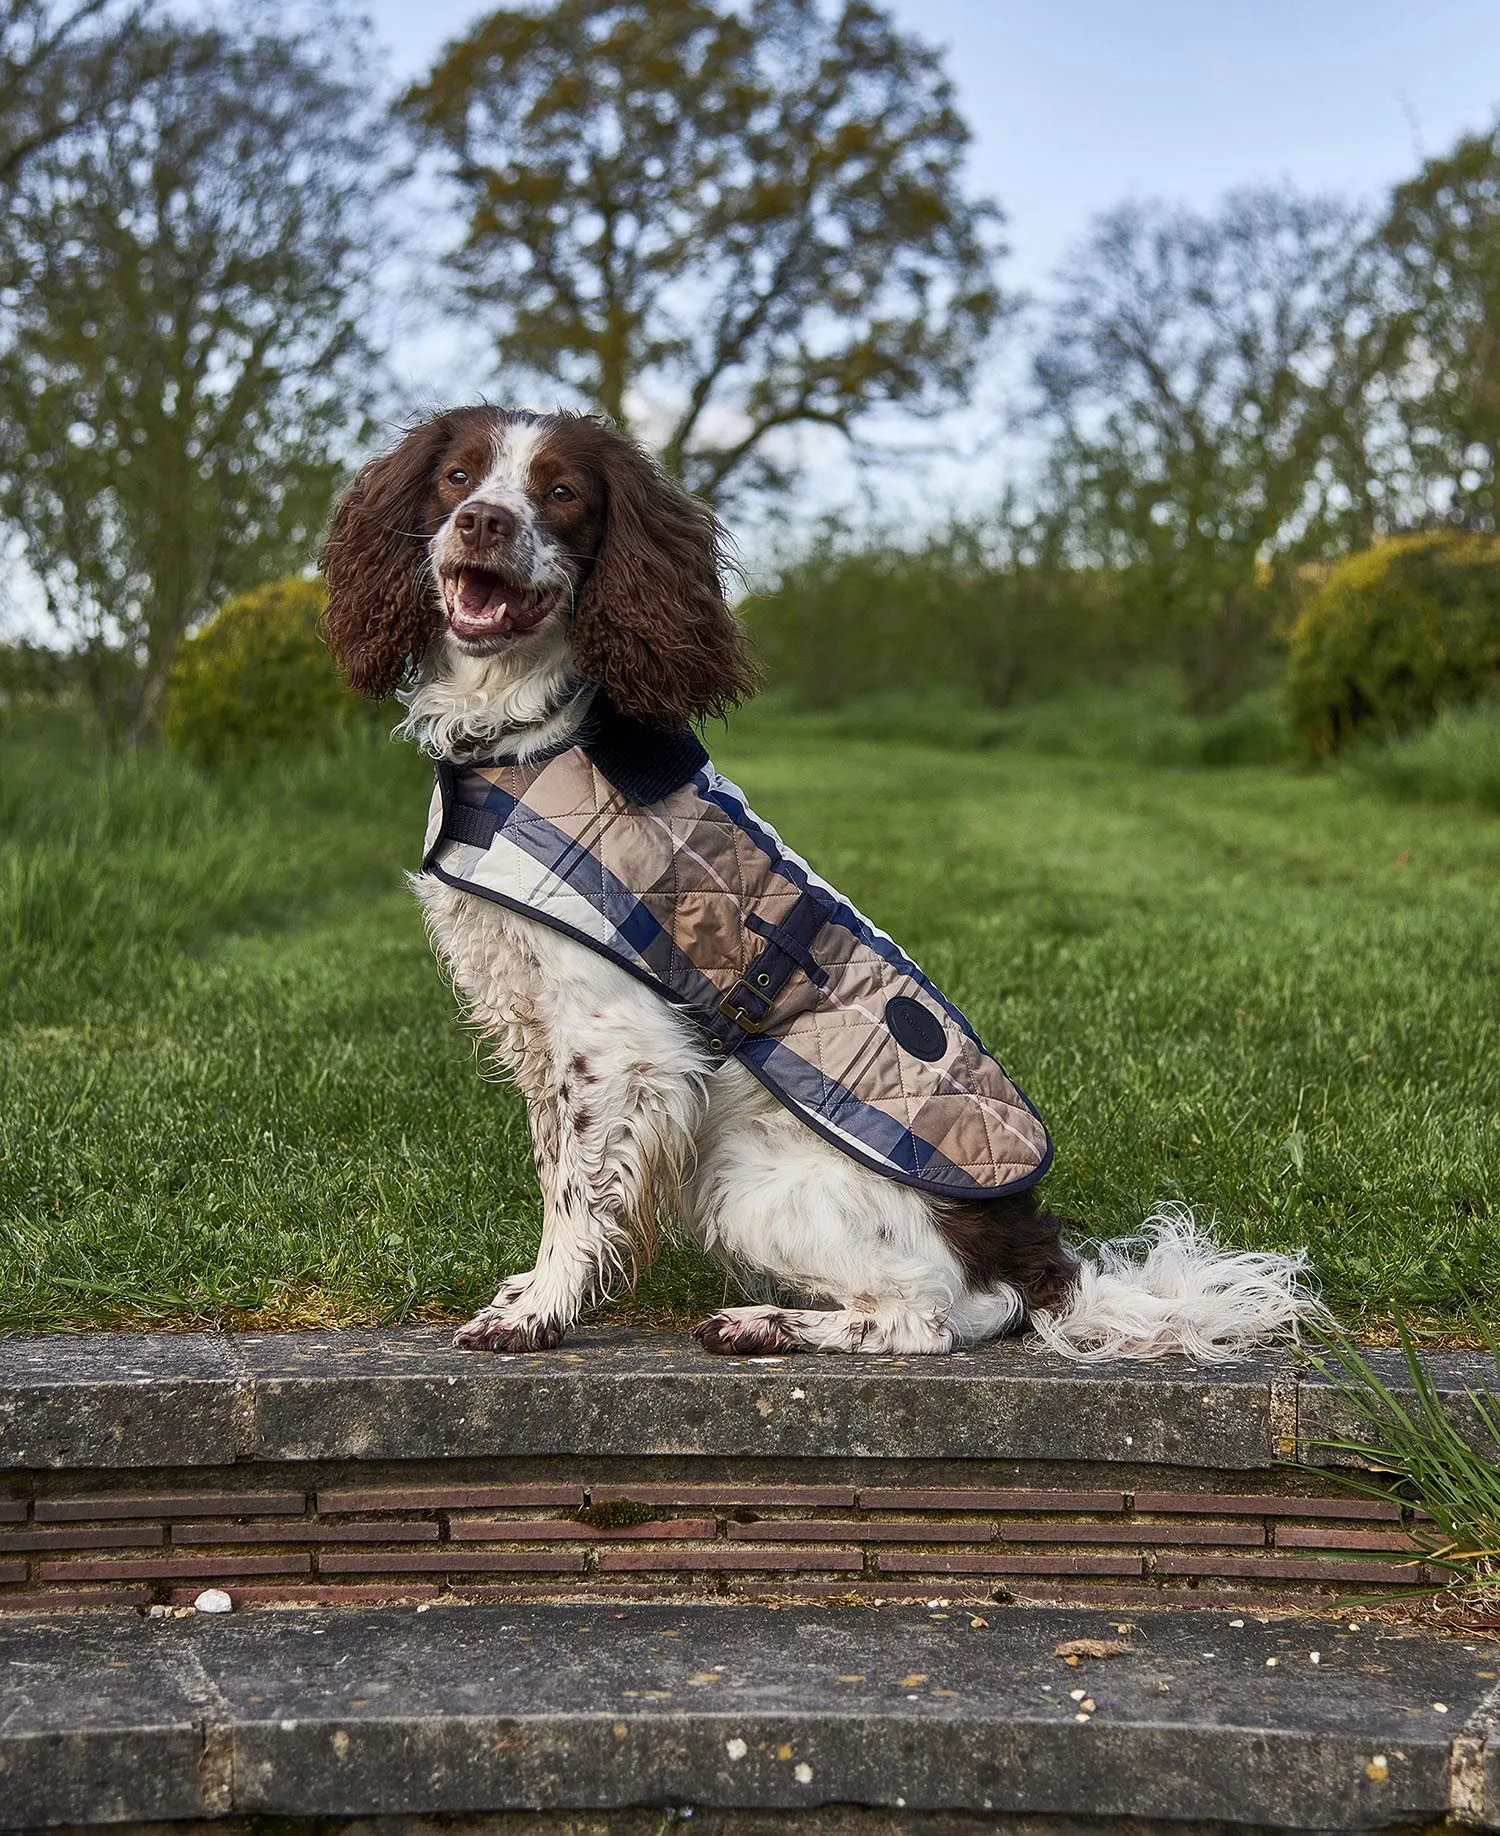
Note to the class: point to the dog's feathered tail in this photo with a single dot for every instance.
(1171, 1289)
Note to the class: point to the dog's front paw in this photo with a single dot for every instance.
(744, 1332)
(494, 1330)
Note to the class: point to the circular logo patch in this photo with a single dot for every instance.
(914, 1028)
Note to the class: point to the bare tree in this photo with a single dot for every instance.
(1443, 235)
(62, 69)
(748, 219)
(1207, 379)
(187, 361)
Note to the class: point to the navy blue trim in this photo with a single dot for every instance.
(638, 970)
(842, 912)
(570, 861)
(931, 1179)
(444, 773)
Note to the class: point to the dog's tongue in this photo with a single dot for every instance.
(519, 619)
(475, 592)
(484, 602)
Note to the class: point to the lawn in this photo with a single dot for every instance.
(232, 1089)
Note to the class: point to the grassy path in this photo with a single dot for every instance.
(232, 1089)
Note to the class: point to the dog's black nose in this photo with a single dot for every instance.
(484, 525)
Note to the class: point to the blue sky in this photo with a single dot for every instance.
(1079, 104)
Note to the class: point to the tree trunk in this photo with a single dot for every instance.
(143, 713)
(147, 686)
(614, 366)
(1217, 656)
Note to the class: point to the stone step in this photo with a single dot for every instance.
(473, 1710)
(124, 1400)
(347, 1466)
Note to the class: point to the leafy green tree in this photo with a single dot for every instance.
(1207, 380)
(716, 224)
(185, 363)
(1443, 234)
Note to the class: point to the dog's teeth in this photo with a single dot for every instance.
(504, 608)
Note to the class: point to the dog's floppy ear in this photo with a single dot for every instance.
(652, 623)
(382, 609)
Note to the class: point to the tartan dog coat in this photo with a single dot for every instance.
(630, 842)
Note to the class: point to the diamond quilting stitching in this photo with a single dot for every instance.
(945, 1114)
(810, 1050)
(908, 1104)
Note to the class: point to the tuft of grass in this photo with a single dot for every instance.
(233, 1089)
(1456, 760)
(1143, 722)
(1432, 1462)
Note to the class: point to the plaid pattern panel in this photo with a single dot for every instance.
(682, 893)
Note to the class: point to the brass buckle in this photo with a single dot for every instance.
(733, 1009)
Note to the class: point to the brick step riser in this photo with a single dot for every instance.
(352, 1532)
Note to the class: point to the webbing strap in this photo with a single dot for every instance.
(464, 822)
(788, 948)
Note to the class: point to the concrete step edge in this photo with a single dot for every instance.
(399, 1712)
(130, 1400)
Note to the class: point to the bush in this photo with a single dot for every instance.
(257, 675)
(1396, 633)
(32, 672)
(962, 613)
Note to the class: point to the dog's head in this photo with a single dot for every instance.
(519, 532)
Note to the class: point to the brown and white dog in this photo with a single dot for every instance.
(508, 563)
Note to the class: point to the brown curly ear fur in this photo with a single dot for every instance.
(652, 623)
(382, 610)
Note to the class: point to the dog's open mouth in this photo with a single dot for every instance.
(482, 604)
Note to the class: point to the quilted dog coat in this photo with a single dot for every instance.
(629, 841)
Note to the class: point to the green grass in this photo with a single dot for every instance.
(1140, 723)
(1455, 760)
(232, 1087)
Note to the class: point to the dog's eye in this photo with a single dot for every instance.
(562, 494)
(458, 475)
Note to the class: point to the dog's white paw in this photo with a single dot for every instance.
(506, 1325)
(745, 1332)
